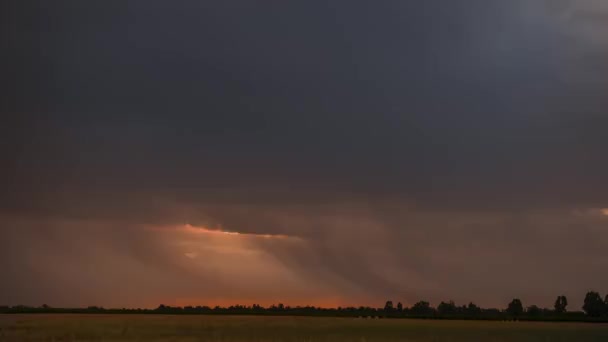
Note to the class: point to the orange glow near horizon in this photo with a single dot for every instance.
(200, 251)
(323, 302)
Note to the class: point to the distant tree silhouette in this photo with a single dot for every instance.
(594, 306)
(534, 311)
(448, 308)
(473, 309)
(560, 304)
(515, 308)
(422, 308)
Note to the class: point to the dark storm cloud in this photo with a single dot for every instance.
(337, 122)
(359, 98)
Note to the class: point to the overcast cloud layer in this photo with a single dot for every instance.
(397, 150)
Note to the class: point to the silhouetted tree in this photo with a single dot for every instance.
(400, 306)
(594, 305)
(473, 309)
(534, 311)
(448, 308)
(422, 308)
(560, 304)
(515, 308)
(388, 307)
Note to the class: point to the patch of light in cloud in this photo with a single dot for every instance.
(191, 255)
(203, 230)
(591, 212)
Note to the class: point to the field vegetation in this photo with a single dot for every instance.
(233, 328)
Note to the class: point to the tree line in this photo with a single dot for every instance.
(594, 309)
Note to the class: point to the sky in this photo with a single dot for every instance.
(304, 152)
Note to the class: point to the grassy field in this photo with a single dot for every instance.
(252, 328)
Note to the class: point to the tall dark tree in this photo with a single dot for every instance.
(594, 305)
(400, 306)
(388, 307)
(515, 308)
(560, 304)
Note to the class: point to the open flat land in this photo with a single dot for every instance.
(42, 327)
